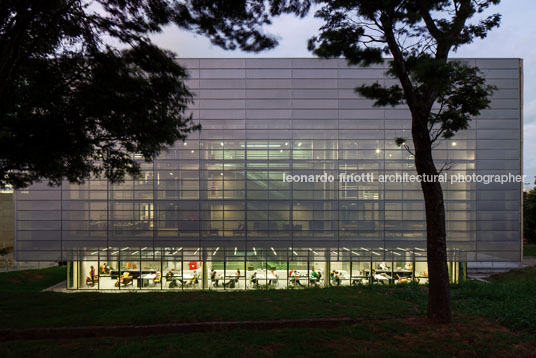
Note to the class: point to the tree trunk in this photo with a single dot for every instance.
(439, 288)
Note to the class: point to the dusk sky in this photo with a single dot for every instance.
(514, 39)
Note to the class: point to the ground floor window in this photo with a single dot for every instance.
(173, 269)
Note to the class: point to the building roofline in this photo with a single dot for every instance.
(330, 59)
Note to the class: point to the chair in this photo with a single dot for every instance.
(295, 282)
(402, 279)
(314, 281)
(194, 282)
(230, 284)
(95, 280)
(172, 282)
(125, 279)
(157, 280)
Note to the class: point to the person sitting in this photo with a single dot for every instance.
(127, 278)
(194, 280)
(157, 278)
(274, 278)
(230, 284)
(170, 278)
(253, 279)
(233, 281)
(215, 278)
(336, 278)
(104, 269)
(315, 278)
(295, 278)
(170, 274)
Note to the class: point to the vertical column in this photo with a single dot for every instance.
(327, 270)
(204, 268)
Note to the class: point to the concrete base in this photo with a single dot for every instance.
(59, 287)
(485, 269)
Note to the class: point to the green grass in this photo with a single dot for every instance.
(49, 309)
(510, 299)
(529, 250)
(23, 306)
(389, 338)
(490, 319)
(31, 280)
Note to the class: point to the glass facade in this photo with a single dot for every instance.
(218, 201)
(231, 269)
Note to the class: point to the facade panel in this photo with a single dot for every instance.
(222, 189)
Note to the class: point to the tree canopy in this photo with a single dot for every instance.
(419, 35)
(442, 96)
(83, 88)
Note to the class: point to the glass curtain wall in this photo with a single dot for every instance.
(230, 269)
(219, 200)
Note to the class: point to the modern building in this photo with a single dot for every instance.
(219, 201)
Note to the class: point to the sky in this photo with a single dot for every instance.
(515, 38)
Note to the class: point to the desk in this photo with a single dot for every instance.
(262, 276)
(294, 280)
(315, 281)
(382, 277)
(264, 280)
(146, 279)
(187, 279)
(173, 281)
(360, 279)
(186, 276)
(135, 273)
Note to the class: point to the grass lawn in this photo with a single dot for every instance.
(31, 280)
(413, 337)
(529, 250)
(495, 319)
(49, 309)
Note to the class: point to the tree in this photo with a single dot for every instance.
(442, 96)
(73, 105)
(529, 216)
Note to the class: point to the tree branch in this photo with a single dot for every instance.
(399, 61)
